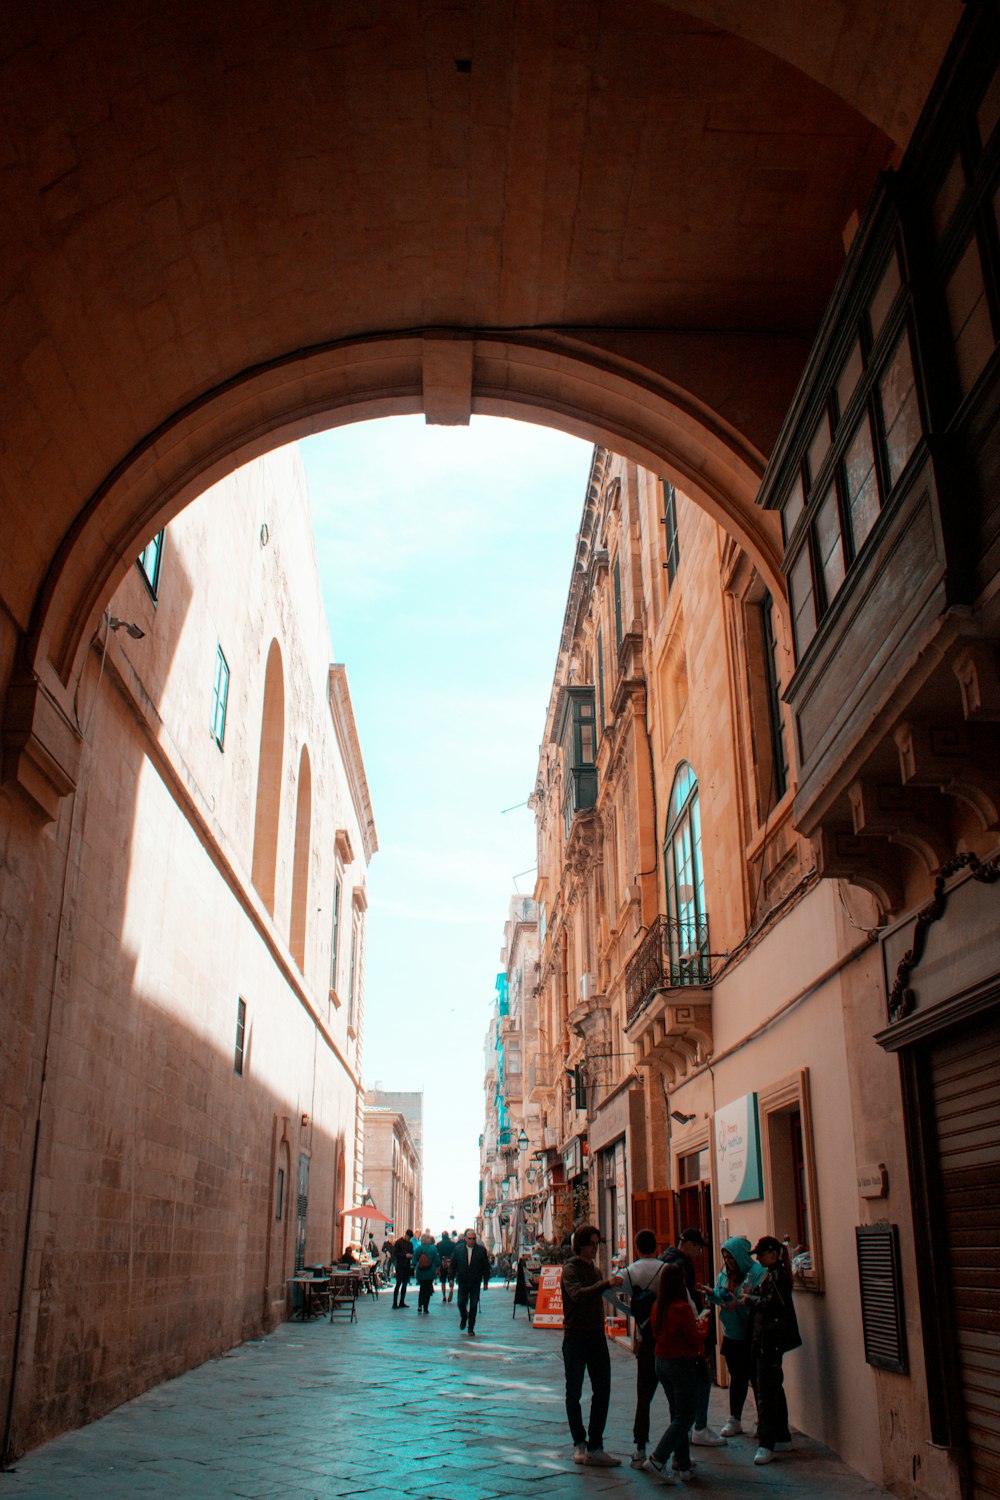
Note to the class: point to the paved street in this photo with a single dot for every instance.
(394, 1405)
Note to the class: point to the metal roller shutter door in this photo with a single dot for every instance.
(965, 1074)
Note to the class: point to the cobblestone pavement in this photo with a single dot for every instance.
(393, 1405)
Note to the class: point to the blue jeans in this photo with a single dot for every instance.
(684, 1379)
(587, 1353)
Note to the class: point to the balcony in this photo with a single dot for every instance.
(673, 955)
(668, 995)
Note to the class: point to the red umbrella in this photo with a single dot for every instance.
(364, 1211)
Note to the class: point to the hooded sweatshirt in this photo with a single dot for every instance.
(735, 1316)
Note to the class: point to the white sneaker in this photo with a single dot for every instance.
(638, 1457)
(733, 1427)
(707, 1437)
(580, 1453)
(763, 1456)
(659, 1471)
(601, 1460)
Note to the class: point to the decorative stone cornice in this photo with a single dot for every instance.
(345, 728)
(42, 747)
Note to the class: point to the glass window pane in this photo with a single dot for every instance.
(900, 408)
(884, 296)
(819, 447)
(830, 544)
(948, 196)
(862, 482)
(849, 377)
(803, 601)
(792, 507)
(969, 316)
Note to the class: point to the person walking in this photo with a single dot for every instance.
(680, 1353)
(585, 1346)
(774, 1330)
(428, 1263)
(639, 1283)
(471, 1265)
(739, 1271)
(446, 1250)
(685, 1255)
(402, 1252)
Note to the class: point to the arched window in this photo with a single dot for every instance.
(272, 745)
(688, 920)
(300, 866)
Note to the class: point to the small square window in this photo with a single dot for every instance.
(148, 563)
(900, 408)
(862, 483)
(803, 600)
(969, 316)
(885, 296)
(819, 447)
(830, 544)
(220, 698)
(792, 507)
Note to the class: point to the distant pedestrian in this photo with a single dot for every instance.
(774, 1330)
(472, 1273)
(585, 1346)
(680, 1353)
(446, 1249)
(639, 1285)
(428, 1264)
(738, 1272)
(402, 1252)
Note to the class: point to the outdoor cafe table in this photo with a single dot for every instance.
(310, 1286)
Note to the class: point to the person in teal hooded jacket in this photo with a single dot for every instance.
(739, 1272)
(427, 1264)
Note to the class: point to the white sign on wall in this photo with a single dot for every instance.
(737, 1151)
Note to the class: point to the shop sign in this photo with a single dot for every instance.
(548, 1302)
(737, 1151)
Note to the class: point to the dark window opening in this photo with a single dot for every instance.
(148, 563)
(241, 1026)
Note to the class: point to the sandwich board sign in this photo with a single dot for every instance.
(548, 1303)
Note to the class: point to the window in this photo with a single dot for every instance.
(670, 538)
(148, 563)
(881, 1281)
(780, 760)
(601, 719)
(686, 918)
(353, 976)
(338, 894)
(577, 733)
(220, 698)
(619, 633)
(241, 1026)
(279, 1196)
(789, 1162)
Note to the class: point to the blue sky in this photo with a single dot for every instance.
(446, 556)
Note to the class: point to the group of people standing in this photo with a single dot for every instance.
(673, 1316)
(464, 1263)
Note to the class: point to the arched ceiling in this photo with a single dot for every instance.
(193, 191)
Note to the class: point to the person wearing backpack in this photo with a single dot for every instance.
(427, 1266)
(446, 1249)
(639, 1281)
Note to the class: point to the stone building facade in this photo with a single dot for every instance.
(184, 991)
(393, 1166)
(506, 1170)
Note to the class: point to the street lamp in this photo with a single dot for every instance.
(522, 1141)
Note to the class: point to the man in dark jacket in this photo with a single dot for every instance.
(403, 1255)
(446, 1250)
(585, 1346)
(471, 1265)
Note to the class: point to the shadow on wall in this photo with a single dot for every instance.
(142, 1230)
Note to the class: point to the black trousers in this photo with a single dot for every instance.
(645, 1389)
(736, 1353)
(587, 1353)
(424, 1290)
(772, 1408)
(468, 1301)
(402, 1282)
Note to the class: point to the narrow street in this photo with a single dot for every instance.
(391, 1405)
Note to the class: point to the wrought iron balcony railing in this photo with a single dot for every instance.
(673, 954)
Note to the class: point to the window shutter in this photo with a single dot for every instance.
(881, 1283)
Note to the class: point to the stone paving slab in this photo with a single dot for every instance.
(397, 1406)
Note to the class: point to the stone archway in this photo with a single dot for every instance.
(589, 391)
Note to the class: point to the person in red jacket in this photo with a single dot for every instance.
(680, 1355)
